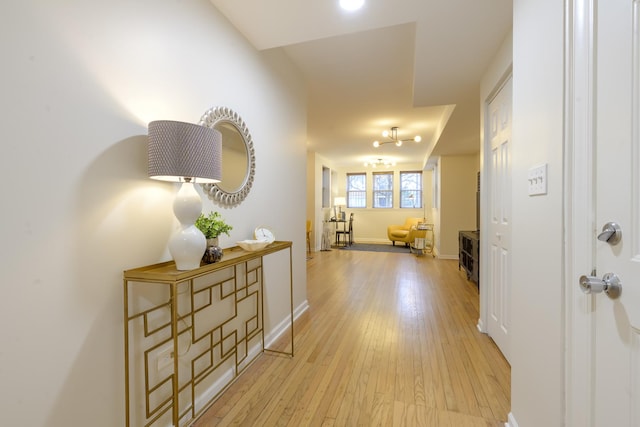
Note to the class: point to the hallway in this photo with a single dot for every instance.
(388, 340)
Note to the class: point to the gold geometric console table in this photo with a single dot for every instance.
(189, 334)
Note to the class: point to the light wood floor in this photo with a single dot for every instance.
(389, 340)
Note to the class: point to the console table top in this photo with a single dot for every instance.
(167, 272)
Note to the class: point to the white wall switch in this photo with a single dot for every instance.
(538, 180)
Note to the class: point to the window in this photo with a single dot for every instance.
(356, 190)
(383, 189)
(411, 189)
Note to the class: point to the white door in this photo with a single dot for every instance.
(617, 321)
(499, 233)
(604, 341)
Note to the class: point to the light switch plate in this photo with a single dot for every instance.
(538, 180)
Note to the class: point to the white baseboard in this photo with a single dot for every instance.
(284, 325)
(511, 421)
(297, 312)
(226, 379)
(480, 326)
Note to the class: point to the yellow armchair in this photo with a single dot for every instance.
(401, 233)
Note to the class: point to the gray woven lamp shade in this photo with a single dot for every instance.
(184, 150)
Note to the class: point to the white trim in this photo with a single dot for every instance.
(635, 374)
(635, 135)
(578, 215)
(511, 421)
(283, 327)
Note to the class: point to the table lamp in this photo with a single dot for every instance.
(186, 153)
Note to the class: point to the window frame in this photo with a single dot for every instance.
(388, 193)
(417, 192)
(350, 192)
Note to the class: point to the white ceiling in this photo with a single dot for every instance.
(415, 64)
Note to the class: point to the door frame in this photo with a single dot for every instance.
(579, 197)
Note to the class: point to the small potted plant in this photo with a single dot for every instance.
(212, 226)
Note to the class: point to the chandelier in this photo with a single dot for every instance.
(393, 135)
(380, 162)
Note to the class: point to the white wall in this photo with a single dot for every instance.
(437, 202)
(458, 187)
(311, 198)
(537, 374)
(79, 83)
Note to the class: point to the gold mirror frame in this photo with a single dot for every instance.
(224, 115)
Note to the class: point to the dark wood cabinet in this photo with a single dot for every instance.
(469, 254)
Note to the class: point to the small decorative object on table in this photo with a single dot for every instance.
(212, 226)
(213, 253)
(253, 245)
(264, 233)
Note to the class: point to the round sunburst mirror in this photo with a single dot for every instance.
(238, 156)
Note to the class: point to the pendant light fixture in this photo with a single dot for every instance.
(392, 134)
(374, 163)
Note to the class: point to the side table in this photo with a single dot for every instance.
(423, 239)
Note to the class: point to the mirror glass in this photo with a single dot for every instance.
(234, 158)
(238, 157)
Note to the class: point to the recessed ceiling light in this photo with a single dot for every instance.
(351, 4)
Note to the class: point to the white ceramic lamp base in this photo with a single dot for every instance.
(188, 244)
